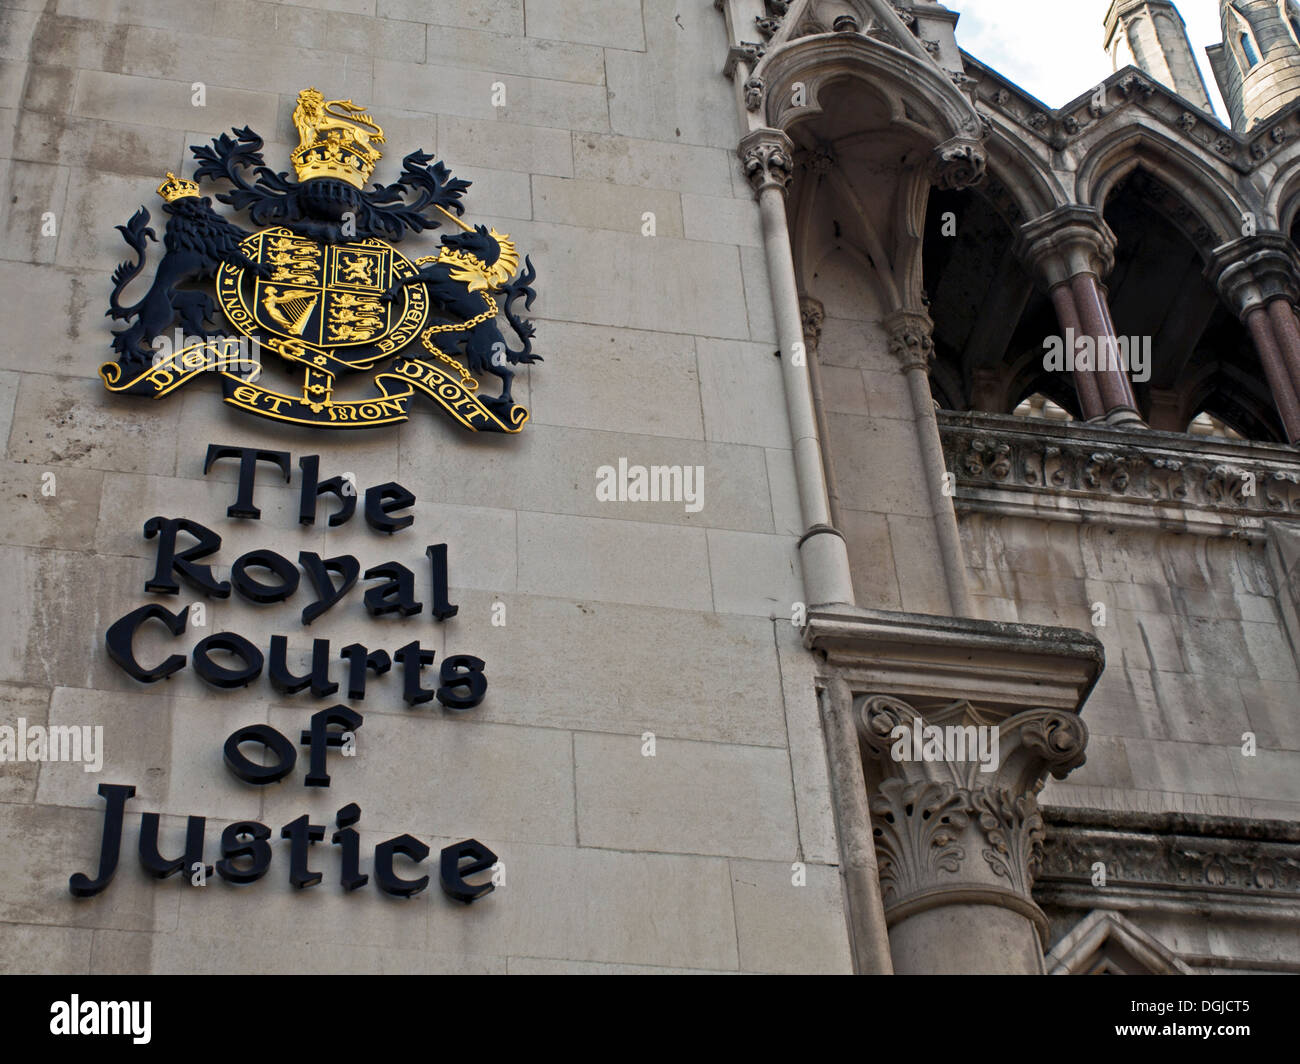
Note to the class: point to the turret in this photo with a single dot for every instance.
(1258, 64)
(1150, 35)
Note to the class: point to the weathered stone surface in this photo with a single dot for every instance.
(735, 558)
(594, 905)
(723, 667)
(67, 421)
(613, 23)
(786, 928)
(613, 561)
(47, 844)
(29, 949)
(627, 801)
(18, 778)
(117, 147)
(473, 94)
(878, 466)
(719, 220)
(168, 747)
(814, 801)
(504, 145)
(549, 966)
(657, 285)
(45, 89)
(601, 205)
(598, 377)
(781, 482)
(423, 771)
(742, 395)
(37, 191)
(503, 16)
(758, 296)
(173, 954)
(301, 27)
(555, 470)
(654, 92)
(55, 510)
(245, 60)
(509, 54)
(153, 101)
(652, 164)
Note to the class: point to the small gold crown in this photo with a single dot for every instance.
(334, 140)
(175, 188)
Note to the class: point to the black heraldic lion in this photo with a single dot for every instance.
(197, 241)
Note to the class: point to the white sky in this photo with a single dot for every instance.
(1053, 48)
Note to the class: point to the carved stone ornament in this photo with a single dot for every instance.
(1013, 828)
(1135, 83)
(915, 826)
(1162, 471)
(754, 91)
(766, 155)
(1255, 270)
(910, 339)
(959, 163)
(747, 52)
(1202, 863)
(813, 315)
(955, 811)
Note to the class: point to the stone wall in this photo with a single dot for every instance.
(1177, 554)
(621, 618)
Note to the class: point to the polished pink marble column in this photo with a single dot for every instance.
(1112, 380)
(1067, 316)
(1260, 322)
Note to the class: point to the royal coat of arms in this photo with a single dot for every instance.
(322, 287)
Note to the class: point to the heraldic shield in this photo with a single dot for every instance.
(323, 290)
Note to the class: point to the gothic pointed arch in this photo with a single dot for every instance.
(919, 95)
(1282, 200)
(1215, 208)
(1020, 184)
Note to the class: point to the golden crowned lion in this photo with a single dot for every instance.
(338, 124)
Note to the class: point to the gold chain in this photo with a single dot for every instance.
(468, 382)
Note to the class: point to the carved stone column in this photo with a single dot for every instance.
(959, 839)
(814, 316)
(910, 342)
(768, 159)
(1259, 278)
(953, 818)
(1069, 251)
